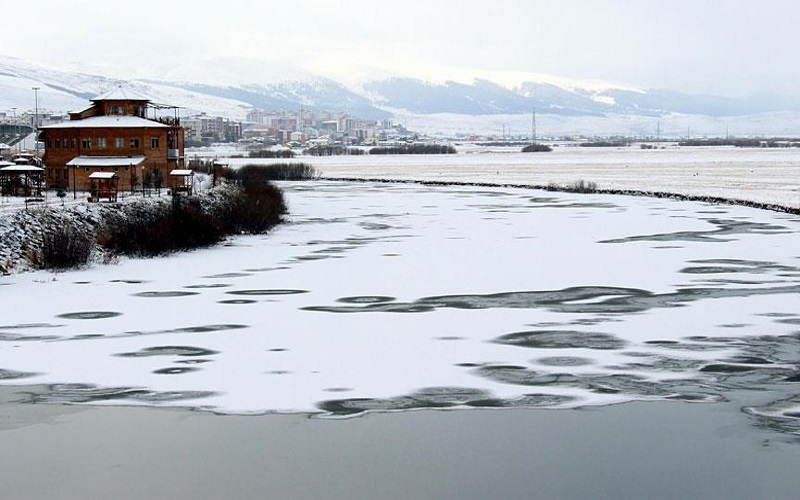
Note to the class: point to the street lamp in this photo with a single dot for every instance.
(36, 120)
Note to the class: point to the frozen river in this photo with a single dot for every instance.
(397, 296)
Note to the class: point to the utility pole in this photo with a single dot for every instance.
(36, 120)
(16, 127)
(533, 125)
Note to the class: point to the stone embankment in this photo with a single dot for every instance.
(22, 231)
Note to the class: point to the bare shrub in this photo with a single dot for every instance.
(64, 247)
(184, 226)
(294, 171)
(258, 206)
(581, 186)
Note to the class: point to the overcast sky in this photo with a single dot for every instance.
(730, 47)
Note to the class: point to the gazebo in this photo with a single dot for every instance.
(21, 180)
(104, 186)
(181, 181)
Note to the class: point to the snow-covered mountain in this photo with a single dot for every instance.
(232, 87)
(483, 97)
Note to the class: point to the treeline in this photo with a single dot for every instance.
(269, 153)
(414, 149)
(333, 150)
(295, 171)
(605, 144)
(537, 148)
(743, 143)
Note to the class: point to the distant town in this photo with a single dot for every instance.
(301, 128)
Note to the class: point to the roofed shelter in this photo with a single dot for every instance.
(128, 168)
(181, 181)
(104, 186)
(21, 180)
(118, 126)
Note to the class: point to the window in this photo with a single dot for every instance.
(115, 110)
(86, 143)
(154, 142)
(74, 143)
(49, 143)
(119, 142)
(134, 143)
(58, 143)
(101, 142)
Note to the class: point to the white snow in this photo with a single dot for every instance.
(762, 175)
(108, 122)
(106, 161)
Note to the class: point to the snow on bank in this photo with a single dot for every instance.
(22, 230)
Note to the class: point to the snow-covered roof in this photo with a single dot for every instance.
(105, 161)
(179, 172)
(5, 164)
(102, 175)
(21, 168)
(123, 121)
(120, 94)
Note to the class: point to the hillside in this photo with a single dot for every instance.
(232, 87)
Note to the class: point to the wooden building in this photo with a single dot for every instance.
(121, 132)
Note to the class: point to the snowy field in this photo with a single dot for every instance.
(769, 176)
(381, 296)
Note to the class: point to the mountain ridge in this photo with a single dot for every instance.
(235, 87)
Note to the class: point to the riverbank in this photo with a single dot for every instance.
(637, 450)
(571, 188)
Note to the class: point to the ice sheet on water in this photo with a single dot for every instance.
(526, 308)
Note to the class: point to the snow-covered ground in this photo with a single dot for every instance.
(758, 175)
(394, 296)
(770, 176)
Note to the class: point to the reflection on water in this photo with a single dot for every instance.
(588, 300)
(724, 231)
(89, 315)
(511, 299)
(87, 393)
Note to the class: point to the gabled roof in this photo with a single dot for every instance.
(180, 172)
(113, 121)
(102, 175)
(21, 168)
(105, 161)
(120, 94)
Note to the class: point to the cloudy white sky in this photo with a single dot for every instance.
(730, 47)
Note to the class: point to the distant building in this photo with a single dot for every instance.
(205, 129)
(114, 135)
